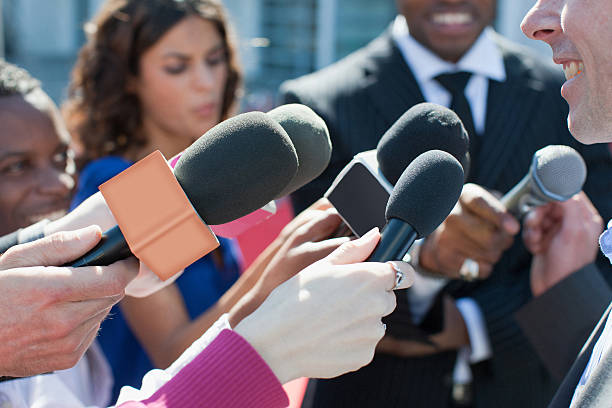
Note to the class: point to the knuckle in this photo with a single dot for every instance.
(63, 328)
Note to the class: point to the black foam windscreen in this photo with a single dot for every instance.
(423, 127)
(310, 136)
(427, 191)
(237, 167)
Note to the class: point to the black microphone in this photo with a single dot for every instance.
(310, 136)
(232, 170)
(422, 198)
(426, 126)
(557, 172)
(361, 191)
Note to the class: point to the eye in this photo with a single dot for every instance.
(16, 167)
(60, 158)
(216, 58)
(63, 160)
(175, 69)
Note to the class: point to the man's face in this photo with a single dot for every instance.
(580, 35)
(447, 27)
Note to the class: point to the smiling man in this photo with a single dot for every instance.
(444, 51)
(579, 34)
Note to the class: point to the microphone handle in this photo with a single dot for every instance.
(396, 239)
(111, 248)
(512, 199)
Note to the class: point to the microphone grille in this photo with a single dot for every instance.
(427, 191)
(559, 171)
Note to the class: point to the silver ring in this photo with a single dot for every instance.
(470, 270)
(399, 277)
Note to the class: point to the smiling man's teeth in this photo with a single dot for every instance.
(573, 69)
(452, 18)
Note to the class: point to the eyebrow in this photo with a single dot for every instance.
(180, 55)
(8, 155)
(19, 153)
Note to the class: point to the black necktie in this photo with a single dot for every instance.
(455, 84)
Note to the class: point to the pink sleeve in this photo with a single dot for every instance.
(228, 373)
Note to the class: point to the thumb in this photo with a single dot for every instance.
(54, 250)
(355, 251)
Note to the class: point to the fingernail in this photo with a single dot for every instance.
(87, 231)
(370, 233)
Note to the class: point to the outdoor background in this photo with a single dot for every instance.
(279, 39)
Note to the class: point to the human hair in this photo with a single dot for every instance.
(100, 111)
(15, 80)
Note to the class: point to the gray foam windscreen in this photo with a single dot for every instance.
(559, 172)
(427, 191)
(237, 167)
(310, 136)
(423, 127)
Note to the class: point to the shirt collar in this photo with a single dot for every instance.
(483, 58)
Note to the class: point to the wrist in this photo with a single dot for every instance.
(245, 306)
(268, 346)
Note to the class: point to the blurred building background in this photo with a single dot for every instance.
(279, 39)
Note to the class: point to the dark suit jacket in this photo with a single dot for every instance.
(360, 97)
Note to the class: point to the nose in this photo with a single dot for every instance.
(55, 182)
(543, 21)
(203, 77)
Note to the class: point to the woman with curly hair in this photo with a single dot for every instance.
(154, 74)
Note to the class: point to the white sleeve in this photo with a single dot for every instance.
(480, 345)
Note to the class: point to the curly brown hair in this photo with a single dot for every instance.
(100, 111)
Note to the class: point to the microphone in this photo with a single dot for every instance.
(361, 191)
(233, 169)
(557, 172)
(425, 126)
(422, 198)
(310, 137)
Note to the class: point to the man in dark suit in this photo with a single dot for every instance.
(510, 104)
(579, 34)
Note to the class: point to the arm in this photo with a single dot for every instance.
(287, 336)
(569, 292)
(168, 332)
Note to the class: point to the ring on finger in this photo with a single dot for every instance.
(470, 270)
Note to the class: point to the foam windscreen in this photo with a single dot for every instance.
(310, 136)
(559, 171)
(237, 167)
(427, 191)
(423, 127)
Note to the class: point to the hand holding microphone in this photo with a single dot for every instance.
(563, 237)
(479, 228)
(326, 320)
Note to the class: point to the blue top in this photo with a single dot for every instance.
(201, 285)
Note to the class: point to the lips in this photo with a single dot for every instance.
(205, 109)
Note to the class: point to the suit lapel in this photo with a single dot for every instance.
(390, 84)
(509, 108)
(565, 393)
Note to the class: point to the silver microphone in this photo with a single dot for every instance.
(557, 172)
